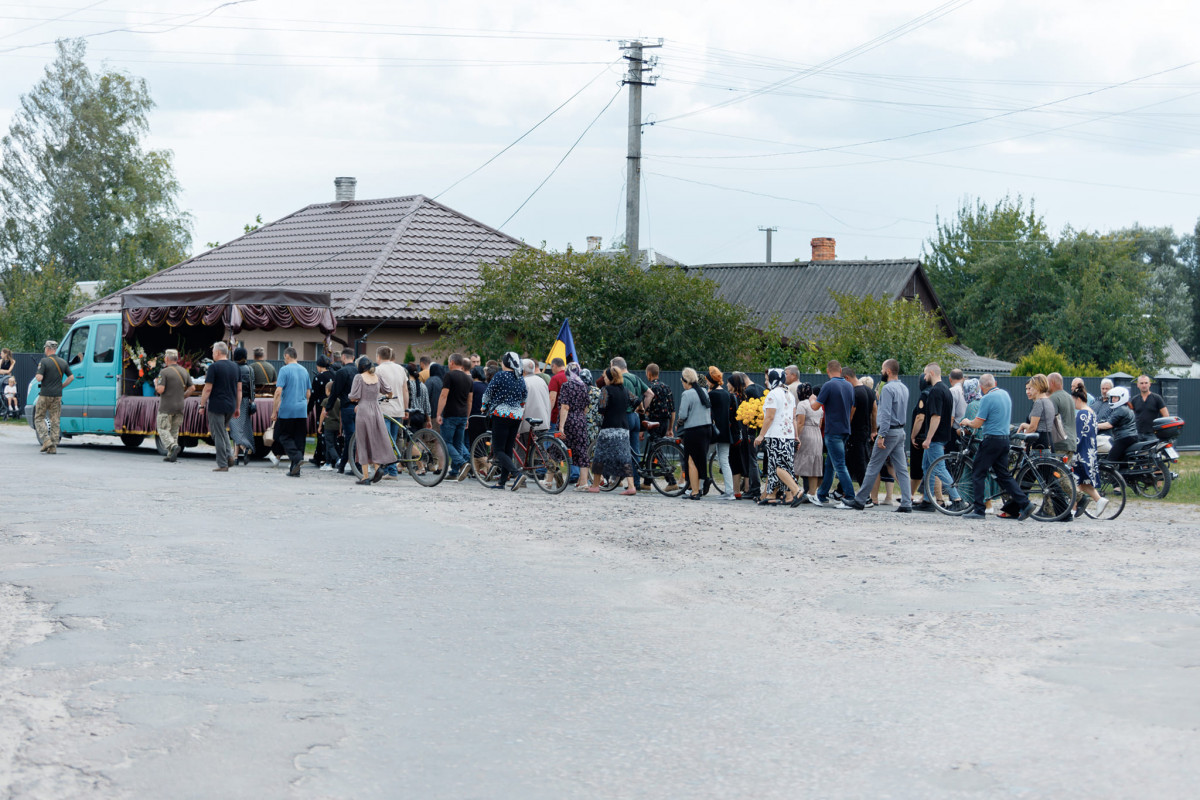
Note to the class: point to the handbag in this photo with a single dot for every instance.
(1059, 433)
(269, 435)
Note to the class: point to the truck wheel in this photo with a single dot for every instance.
(188, 441)
(132, 440)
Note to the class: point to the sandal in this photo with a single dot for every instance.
(769, 502)
(593, 489)
(628, 492)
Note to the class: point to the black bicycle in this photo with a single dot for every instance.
(662, 461)
(543, 458)
(423, 453)
(1046, 480)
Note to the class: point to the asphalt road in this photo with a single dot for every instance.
(166, 631)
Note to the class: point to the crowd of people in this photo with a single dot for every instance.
(846, 443)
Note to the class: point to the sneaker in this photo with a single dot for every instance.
(903, 510)
(728, 497)
(836, 494)
(274, 459)
(957, 506)
(520, 482)
(841, 506)
(868, 504)
(294, 470)
(924, 505)
(812, 498)
(974, 515)
(463, 473)
(1026, 512)
(1101, 504)
(326, 468)
(857, 506)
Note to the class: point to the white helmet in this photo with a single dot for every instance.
(1119, 396)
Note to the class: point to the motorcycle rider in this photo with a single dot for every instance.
(1121, 423)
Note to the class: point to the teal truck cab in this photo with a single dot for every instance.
(110, 396)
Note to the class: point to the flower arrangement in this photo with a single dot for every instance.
(750, 413)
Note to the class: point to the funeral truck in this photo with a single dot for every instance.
(115, 357)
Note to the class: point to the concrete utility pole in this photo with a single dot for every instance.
(636, 78)
(769, 231)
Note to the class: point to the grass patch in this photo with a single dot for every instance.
(1186, 488)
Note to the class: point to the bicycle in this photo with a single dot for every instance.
(423, 453)
(544, 459)
(1112, 488)
(1047, 481)
(662, 460)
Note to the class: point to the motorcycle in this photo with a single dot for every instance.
(1146, 466)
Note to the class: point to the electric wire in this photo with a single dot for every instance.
(537, 125)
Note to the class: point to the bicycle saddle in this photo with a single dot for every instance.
(533, 421)
(1025, 437)
(651, 425)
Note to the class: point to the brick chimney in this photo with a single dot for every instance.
(343, 189)
(823, 249)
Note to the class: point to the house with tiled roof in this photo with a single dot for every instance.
(387, 265)
(798, 293)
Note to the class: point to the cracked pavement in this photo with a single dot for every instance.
(170, 632)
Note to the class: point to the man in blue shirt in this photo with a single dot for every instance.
(837, 398)
(290, 414)
(993, 418)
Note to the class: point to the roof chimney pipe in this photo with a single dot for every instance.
(343, 189)
(824, 249)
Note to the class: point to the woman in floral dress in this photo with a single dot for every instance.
(1087, 462)
(573, 416)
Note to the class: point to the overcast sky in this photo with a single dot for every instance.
(863, 121)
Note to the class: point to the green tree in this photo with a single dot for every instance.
(866, 331)
(44, 294)
(987, 267)
(1189, 257)
(78, 189)
(660, 314)
(1102, 310)
(1169, 292)
(1007, 286)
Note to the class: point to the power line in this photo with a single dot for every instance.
(865, 47)
(526, 133)
(195, 18)
(564, 158)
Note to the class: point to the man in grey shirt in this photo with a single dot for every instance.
(1064, 405)
(891, 441)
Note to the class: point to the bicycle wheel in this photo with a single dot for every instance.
(665, 462)
(1050, 486)
(715, 474)
(550, 464)
(483, 467)
(429, 461)
(1112, 489)
(960, 467)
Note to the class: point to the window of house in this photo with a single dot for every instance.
(275, 350)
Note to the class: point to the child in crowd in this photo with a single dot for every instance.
(10, 398)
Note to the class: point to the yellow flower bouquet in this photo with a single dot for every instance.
(750, 413)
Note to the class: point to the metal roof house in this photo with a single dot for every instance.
(387, 264)
(800, 292)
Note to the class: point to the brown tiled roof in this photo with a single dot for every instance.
(397, 258)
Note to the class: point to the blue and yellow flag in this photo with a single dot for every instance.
(564, 346)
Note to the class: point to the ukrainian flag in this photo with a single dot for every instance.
(564, 346)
